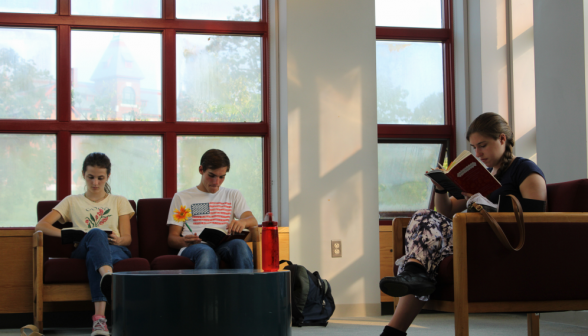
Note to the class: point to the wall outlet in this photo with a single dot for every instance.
(336, 249)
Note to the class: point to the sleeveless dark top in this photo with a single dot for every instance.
(512, 178)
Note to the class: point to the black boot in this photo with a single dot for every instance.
(389, 331)
(413, 280)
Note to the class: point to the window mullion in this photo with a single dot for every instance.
(63, 80)
(63, 164)
(170, 164)
(169, 76)
(63, 7)
(168, 9)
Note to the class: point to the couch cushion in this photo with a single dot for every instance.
(171, 262)
(152, 222)
(70, 270)
(132, 264)
(65, 270)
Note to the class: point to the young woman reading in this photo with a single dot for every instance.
(429, 236)
(96, 210)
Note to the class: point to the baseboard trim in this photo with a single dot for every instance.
(357, 310)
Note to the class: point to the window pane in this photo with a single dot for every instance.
(413, 13)
(219, 78)
(230, 10)
(410, 82)
(246, 170)
(27, 73)
(129, 8)
(29, 6)
(27, 176)
(116, 76)
(136, 163)
(402, 184)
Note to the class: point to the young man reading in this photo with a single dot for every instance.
(209, 205)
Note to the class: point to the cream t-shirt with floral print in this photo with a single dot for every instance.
(85, 214)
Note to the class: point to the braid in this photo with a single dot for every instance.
(507, 158)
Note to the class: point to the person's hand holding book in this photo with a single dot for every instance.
(236, 226)
(113, 239)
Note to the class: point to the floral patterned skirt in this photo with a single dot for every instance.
(428, 239)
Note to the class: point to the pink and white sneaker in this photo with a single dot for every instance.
(99, 326)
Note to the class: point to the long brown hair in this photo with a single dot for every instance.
(493, 125)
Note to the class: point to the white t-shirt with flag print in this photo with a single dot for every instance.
(208, 210)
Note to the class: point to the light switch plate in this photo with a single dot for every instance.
(336, 249)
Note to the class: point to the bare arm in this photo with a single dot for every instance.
(247, 221)
(175, 239)
(46, 224)
(445, 205)
(534, 187)
(449, 206)
(124, 227)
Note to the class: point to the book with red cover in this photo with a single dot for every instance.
(465, 174)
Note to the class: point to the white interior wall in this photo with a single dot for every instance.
(486, 71)
(461, 46)
(523, 58)
(487, 58)
(328, 50)
(560, 76)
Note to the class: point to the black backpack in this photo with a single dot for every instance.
(312, 302)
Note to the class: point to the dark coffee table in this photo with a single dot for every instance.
(201, 302)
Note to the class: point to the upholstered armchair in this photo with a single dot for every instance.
(57, 277)
(483, 276)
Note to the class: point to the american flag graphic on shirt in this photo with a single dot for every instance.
(219, 213)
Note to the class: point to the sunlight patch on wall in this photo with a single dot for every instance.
(500, 24)
(340, 120)
(295, 227)
(293, 73)
(354, 292)
(294, 144)
(342, 219)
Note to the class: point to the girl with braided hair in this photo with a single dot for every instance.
(429, 236)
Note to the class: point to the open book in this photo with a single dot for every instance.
(214, 237)
(75, 235)
(465, 174)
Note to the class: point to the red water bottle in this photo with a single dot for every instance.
(269, 244)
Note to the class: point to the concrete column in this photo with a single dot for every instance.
(560, 81)
(332, 146)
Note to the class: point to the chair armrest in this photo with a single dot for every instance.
(37, 268)
(256, 247)
(38, 239)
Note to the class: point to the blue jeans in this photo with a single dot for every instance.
(235, 253)
(95, 249)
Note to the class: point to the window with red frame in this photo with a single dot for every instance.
(416, 127)
(153, 86)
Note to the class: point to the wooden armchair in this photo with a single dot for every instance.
(57, 277)
(544, 276)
